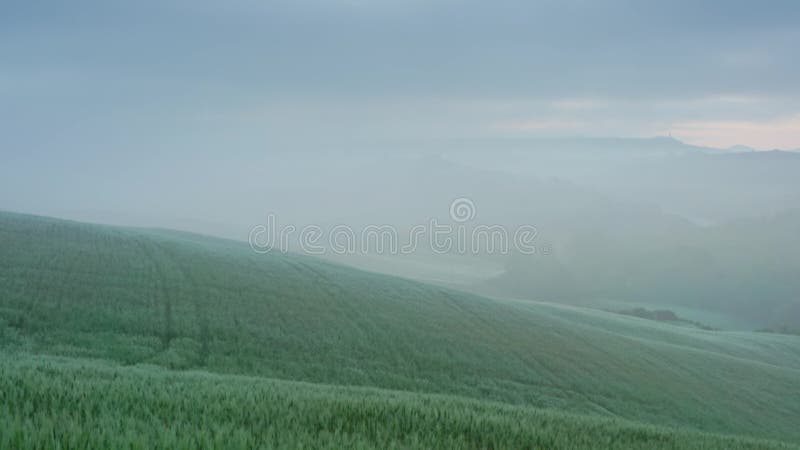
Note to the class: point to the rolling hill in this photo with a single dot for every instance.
(139, 298)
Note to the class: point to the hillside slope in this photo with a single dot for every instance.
(185, 301)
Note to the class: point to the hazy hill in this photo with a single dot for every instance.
(187, 301)
(745, 269)
(703, 184)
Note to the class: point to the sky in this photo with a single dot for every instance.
(143, 103)
(128, 77)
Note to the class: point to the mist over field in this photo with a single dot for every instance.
(646, 221)
(516, 224)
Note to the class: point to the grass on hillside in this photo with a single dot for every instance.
(48, 402)
(188, 302)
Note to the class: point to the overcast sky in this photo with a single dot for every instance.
(83, 78)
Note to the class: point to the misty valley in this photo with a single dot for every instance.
(400, 224)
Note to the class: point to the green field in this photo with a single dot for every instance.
(129, 323)
(74, 403)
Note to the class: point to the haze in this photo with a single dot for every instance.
(640, 139)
